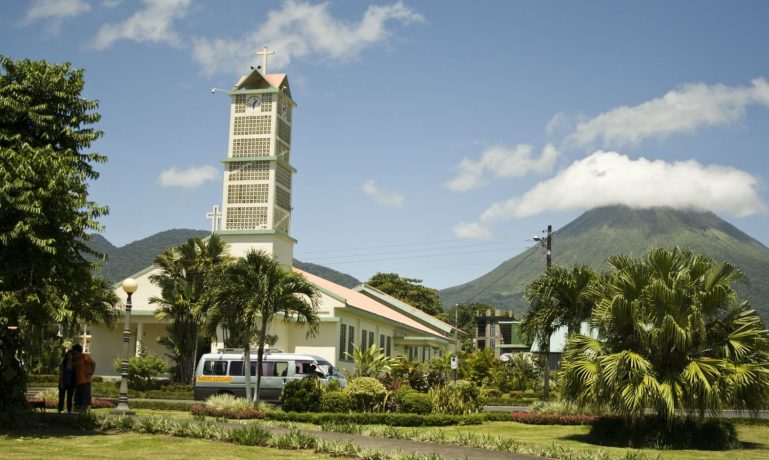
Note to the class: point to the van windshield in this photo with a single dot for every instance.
(326, 367)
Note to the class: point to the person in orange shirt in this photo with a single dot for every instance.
(84, 368)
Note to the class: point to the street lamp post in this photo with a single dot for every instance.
(129, 286)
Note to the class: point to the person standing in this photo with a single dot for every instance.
(84, 368)
(66, 381)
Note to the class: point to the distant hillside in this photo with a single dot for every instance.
(602, 232)
(126, 260)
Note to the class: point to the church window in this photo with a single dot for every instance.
(388, 346)
(282, 198)
(247, 193)
(243, 218)
(363, 338)
(283, 177)
(266, 102)
(342, 341)
(382, 342)
(281, 220)
(240, 103)
(351, 338)
(258, 170)
(251, 147)
(260, 124)
(370, 338)
(284, 131)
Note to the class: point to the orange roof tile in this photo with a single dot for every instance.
(366, 303)
(275, 79)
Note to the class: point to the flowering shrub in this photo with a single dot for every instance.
(552, 419)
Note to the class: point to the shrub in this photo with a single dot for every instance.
(457, 399)
(144, 370)
(653, 432)
(302, 395)
(416, 403)
(491, 392)
(228, 401)
(332, 385)
(160, 405)
(250, 435)
(396, 397)
(366, 394)
(335, 401)
(242, 413)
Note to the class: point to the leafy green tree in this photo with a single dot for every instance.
(671, 335)
(559, 297)
(182, 278)
(248, 294)
(411, 291)
(45, 213)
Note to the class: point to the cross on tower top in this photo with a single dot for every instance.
(264, 53)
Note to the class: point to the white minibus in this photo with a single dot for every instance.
(222, 373)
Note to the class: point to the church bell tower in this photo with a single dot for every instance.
(256, 198)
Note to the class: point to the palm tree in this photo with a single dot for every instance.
(248, 294)
(369, 362)
(182, 283)
(557, 298)
(671, 335)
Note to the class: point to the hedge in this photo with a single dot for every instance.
(552, 419)
(376, 418)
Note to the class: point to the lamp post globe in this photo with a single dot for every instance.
(130, 286)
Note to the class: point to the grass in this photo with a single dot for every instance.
(68, 444)
(754, 437)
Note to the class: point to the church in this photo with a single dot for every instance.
(256, 214)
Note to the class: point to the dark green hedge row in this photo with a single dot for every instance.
(653, 432)
(378, 418)
(45, 379)
(505, 401)
(160, 405)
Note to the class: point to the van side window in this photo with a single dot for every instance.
(215, 368)
(236, 367)
(303, 367)
(281, 369)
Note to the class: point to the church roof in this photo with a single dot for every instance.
(367, 304)
(257, 80)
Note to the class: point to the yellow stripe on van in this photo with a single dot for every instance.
(213, 378)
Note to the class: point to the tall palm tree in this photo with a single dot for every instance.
(557, 298)
(248, 294)
(671, 335)
(182, 283)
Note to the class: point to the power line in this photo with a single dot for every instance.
(410, 251)
(402, 245)
(360, 261)
(505, 274)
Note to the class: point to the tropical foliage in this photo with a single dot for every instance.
(557, 298)
(46, 126)
(670, 335)
(245, 297)
(182, 280)
(370, 362)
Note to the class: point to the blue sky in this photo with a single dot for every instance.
(432, 139)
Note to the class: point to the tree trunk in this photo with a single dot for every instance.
(259, 357)
(247, 370)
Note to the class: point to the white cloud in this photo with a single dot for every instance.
(501, 162)
(298, 29)
(386, 198)
(154, 23)
(192, 177)
(681, 110)
(610, 178)
(472, 231)
(55, 10)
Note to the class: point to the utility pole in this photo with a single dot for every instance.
(549, 246)
(549, 254)
(455, 358)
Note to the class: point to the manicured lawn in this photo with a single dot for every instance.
(66, 445)
(756, 436)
